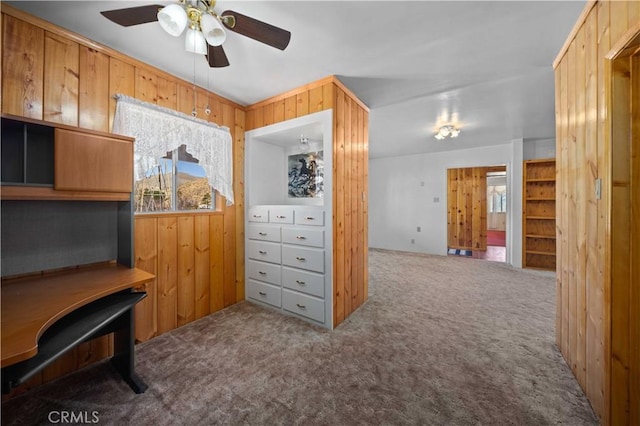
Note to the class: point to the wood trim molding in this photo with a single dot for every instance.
(291, 92)
(48, 26)
(349, 93)
(572, 35)
(627, 44)
(326, 80)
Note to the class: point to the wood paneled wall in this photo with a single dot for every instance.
(350, 179)
(467, 208)
(594, 285)
(52, 74)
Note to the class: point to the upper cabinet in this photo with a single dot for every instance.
(42, 160)
(91, 162)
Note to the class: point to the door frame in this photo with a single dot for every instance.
(622, 251)
(491, 167)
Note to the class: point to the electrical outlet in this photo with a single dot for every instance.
(419, 229)
(436, 199)
(413, 241)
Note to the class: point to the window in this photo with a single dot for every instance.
(497, 198)
(171, 175)
(177, 183)
(497, 192)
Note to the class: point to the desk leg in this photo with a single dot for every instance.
(124, 353)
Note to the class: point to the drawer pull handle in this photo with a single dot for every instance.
(301, 237)
(262, 293)
(262, 252)
(301, 306)
(301, 259)
(257, 216)
(310, 218)
(262, 273)
(264, 234)
(301, 282)
(281, 217)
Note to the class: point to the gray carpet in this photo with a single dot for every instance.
(441, 341)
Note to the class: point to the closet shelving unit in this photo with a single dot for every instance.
(539, 214)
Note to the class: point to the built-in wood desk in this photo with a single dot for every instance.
(44, 316)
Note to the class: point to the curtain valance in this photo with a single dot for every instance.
(158, 130)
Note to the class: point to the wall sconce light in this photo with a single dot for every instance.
(447, 130)
(304, 144)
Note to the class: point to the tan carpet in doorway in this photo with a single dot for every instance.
(441, 341)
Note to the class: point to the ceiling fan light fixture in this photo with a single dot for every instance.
(212, 30)
(173, 19)
(447, 130)
(195, 42)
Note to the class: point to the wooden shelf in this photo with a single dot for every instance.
(25, 192)
(543, 253)
(50, 161)
(538, 214)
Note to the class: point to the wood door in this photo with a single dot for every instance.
(467, 208)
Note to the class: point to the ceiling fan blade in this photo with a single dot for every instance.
(133, 15)
(257, 30)
(216, 57)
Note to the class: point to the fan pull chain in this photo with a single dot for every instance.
(194, 112)
(207, 110)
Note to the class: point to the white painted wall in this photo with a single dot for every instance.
(539, 148)
(403, 192)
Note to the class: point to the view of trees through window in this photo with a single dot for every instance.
(177, 183)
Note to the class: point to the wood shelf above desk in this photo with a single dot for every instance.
(30, 305)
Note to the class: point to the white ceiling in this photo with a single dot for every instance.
(484, 66)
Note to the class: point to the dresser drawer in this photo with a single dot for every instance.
(266, 293)
(263, 232)
(267, 252)
(281, 214)
(309, 217)
(301, 304)
(258, 214)
(304, 237)
(303, 281)
(263, 271)
(305, 258)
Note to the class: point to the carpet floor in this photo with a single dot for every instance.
(441, 341)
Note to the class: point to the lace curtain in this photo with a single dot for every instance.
(158, 130)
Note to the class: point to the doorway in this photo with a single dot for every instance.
(497, 214)
(471, 231)
(624, 90)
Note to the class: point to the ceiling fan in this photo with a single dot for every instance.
(204, 27)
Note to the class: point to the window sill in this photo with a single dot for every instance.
(179, 213)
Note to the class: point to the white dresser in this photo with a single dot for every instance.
(288, 260)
